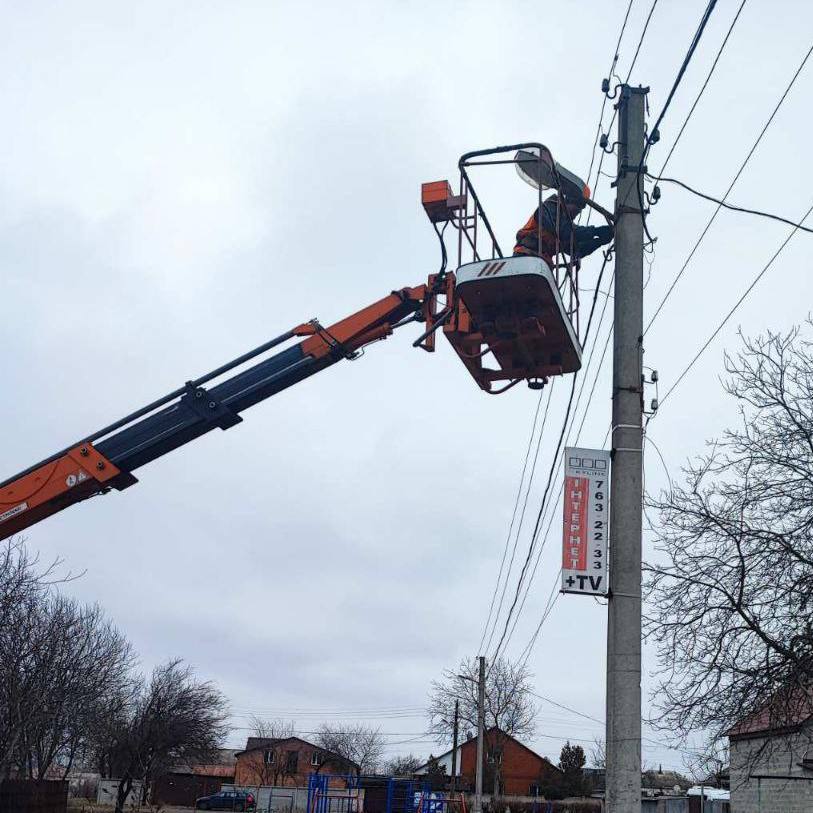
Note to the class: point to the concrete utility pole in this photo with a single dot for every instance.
(481, 704)
(624, 605)
(454, 745)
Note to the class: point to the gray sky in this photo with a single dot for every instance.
(180, 182)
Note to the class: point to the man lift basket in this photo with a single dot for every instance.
(521, 311)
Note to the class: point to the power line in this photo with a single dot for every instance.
(640, 43)
(678, 79)
(610, 73)
(604, 100)
(552, 599)
(554, 463)
(684, 65)
(728, 191)
(703, 88)
(514, 516)
(521, 519)
(648, 740)
(524, 569)
(546, 612)
(615, 112)
(730, 206)
(730, 313)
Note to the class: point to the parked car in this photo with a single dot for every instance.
(227, 800)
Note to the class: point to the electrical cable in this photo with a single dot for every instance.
(728, 191)
(524, 569)
(640, 42)
(730, 313)
(604, 100)
(521, 521)
(730, 206)
(554, 464)
(648, 439)
(703, 88)
(514, 514)
(678, 79)
(685, 64)
(561, 486)
(615, 110)
(552, 599)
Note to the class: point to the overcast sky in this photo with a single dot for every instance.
(181, 181)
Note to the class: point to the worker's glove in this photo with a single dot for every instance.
(603, 234)
(591, 238)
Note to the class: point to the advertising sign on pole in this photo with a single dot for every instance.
(585, 530)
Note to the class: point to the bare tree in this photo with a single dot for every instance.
(360, 747)
(509, 708)
(50, 663)
(271, 766)
(84, 658)
(598, 754)
(708, 766)
(730, 600)
(403, 765)
(171, 719)
(272, 729)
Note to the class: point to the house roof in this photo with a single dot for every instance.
(219, 770)
(664, 780)
(779, 715)
(253, 743)
(262, 743)
(710, 793)
(487, 732)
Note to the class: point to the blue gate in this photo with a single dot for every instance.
(324, 799)
(414, 796)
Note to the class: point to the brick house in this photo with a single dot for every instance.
(771, 769)
(183, 785)
(285, 762)
(523, 771)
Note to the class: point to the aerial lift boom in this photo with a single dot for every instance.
(106, 459)
(518, 310)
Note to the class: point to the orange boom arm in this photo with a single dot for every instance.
(106, 459)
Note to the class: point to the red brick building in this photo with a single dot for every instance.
(183, 785)
(285, 762)
(522, 771)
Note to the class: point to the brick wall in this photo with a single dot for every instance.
(779, 756)
(521, 767)
(253, 769)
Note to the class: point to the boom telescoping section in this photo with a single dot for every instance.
(520, 312)
(106, 459)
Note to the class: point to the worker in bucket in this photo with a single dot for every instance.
(586, 239)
